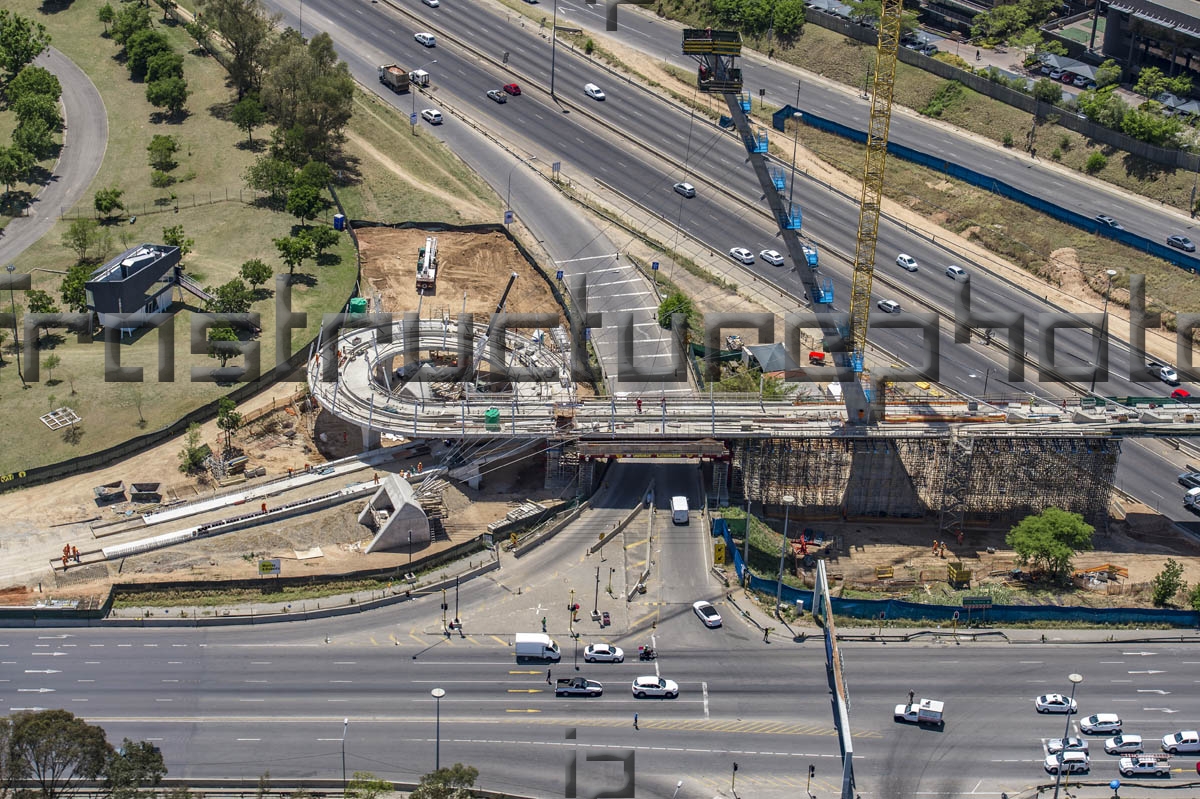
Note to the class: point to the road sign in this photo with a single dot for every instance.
(269, 567)
(977, 602)
(719, 552)
(654, 265)
(956, 615)
(558, 275)
(508, 217)
(412, 119)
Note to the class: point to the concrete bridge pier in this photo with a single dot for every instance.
(372, 437)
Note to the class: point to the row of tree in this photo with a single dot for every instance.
(30, 93)
(756, 17)
(148, 55)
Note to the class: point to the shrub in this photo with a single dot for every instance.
(1095, 163)
(589, 46)
(1008, 139)
(1056, 155)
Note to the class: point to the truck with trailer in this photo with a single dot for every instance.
(537, 646)
(578, 686)
(394, 77)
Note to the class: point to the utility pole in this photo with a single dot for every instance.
(445, 629)
(457, 623)
(596, 603)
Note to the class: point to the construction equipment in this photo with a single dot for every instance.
(427, 264)
(872, 188)
(394, 77)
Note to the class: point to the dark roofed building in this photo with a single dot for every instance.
(1161, 33)
(138, 281)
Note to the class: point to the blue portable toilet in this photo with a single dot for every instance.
(339, 221)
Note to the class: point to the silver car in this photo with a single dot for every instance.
(603, 653)
(906, 262)
(655, 686)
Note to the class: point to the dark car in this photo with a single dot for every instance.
(497, 95)
(1181, 243)
(1190, 479)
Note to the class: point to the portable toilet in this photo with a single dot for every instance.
(491, 419)
(339, 221)
(358, 305)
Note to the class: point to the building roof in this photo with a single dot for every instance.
(1179, 15)
(771, 357)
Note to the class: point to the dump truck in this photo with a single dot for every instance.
(927, 711)
(578, 686)
(394, 77)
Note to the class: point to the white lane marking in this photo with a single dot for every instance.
(345, 663)
(252, 700)
(1158, 691)
(164, 700)
(253, 739)
(1151, 671)
(704, 685)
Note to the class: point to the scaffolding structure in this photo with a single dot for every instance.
(562, 467)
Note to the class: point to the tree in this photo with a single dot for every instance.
(3, 338)
(33, 80)
(174, 237)
(1151, 82)
(191, 457)
(15, 164)
(1049, 540)
(246, 28)
(1108, 74)
(39, 302)
(167, 5)
(1167, 583)
(248, 114)
(1180, 85)
(321, 237)
(162, 151)
(293, 250)
(168, 93)
(228, 419)
(1103, 106)
(304, 202)
(231, 297)
(50, 363)
(789, 18)
(365, 785)
(132, 18)
(1194, 597)
(37, 106)
(219, 339)
(454, 782)
(108, 200)
(673, 303)
(56, 750)
(21, 41)
(306, 86)
(35, 137)
(1149, 125)
(106, 15)
(270, 175)
(1048, 91)
(72, 290)
(256, 272)
(133, 766)
(141, 47)
(316, 174)
(167, 64)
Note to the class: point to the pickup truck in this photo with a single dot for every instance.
(927, 711)
(578, 686)
(1163, 372)
(1159, 765)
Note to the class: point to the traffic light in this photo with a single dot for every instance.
(812, 770)
(735, 766)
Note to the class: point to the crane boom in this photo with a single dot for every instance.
(872, 186)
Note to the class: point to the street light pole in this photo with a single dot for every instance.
(1103, 328)
(553, 45)
(596, 603)
(437, 694)
(345, 725)
(508, 190)
(787, 501)
(1075, 680)
(410, 547)
(16, 338)
(678, 785)
(795, 147)
(457, 623)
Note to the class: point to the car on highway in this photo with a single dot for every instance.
(1123, 745)
(425, 39)
(655, 686)
(1158, 765)
(432, 116)
(906, 262)
(578, 686)
(1068, 763)
(1182, 741)
(707, 613)
(1099, 723)
(603, 653)
(686, 189)
(1056, 745)
(1108, 221)
(741, 255)
(593, 91)
(1181, 243)
(1055, 703)
(1181, 395)
(497, 95)
(432, 3)
(772, 257)
(888, 306)
(957, 272)
(512, 88)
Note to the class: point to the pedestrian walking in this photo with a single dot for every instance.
(635, 726)
(75, 553)
(543, 617)
(547, 676)
(911, 694)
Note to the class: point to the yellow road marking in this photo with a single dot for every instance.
(500, 640)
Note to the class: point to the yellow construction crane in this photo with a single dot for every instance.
(872, 188)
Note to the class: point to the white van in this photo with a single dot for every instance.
(426, 39)
(537, 645)
(432, 116)
(679, 510)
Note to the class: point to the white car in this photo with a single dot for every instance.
(772, 257)
(906, 262)
(1182, 741)
(593, 91)
(707, 613)
(1100, 723)
(957, 272)
(741, 255)
(1068, 763)
(1056, 745)
(1158, 765)
(432, 3)
(425, 39)
(603, 653)
(432, 116)
(888, 306)
(686, 189)
(1055, 703)
(655, 686)
(1124, 745)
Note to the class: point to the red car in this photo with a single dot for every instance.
(1182, 395)
(512, 89)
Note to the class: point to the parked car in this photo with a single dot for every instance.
(888, 306)
(1108, 221)
(1056, 745)
(957, 272)
(1068, 77)
(655, 686)
(425, 39)
(686, 189)
(707, 613)
(906, 262)
(929, 49)
(1081, 80)
(1055, 703)
(1182, 741)
(1056, 74)
(772, 257)
(512, 88)
(1100, 723)
(1123, 745)
(1068, 763)
(603, 653)
(741, 255)
(432, 116)
(593, 91)
(1181, 243)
